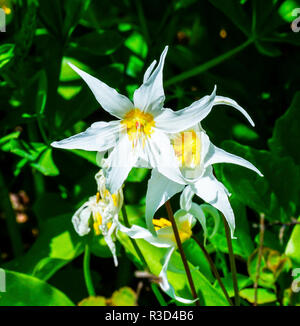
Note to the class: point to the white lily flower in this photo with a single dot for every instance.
(103, 209)
(139, 138)
(196, 155)
(164, 238)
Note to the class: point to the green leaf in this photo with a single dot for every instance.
(137, 174)
(100, 42)
(235, 12)
(176, 275)
(285, 140)
(293, 246)
(57, 245)
(263, 295)
(25, 290)
(243, 281)
(6, 53)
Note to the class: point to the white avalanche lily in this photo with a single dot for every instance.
(164, 238)
(140, 135)
(103, 209)
(196, 155)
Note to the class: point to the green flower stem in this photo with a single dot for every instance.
(207, 65)
(232, 262)
(180, 248)
(10, 217)
(214, 269)
(87, 271)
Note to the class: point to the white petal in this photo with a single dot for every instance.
(175, 121)
(138, 232)
(228, 101)
(198, 213)
(111, 101)
(149, 71)
(213, 192)
(118, 164)
(159, 190)
(150, 96)
(218, 155)
(110, 243)
(165, 285)
(81, 218)
(186, 198)
(99, 137)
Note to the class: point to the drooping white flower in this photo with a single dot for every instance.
(164, 238)
(140, 135)
(102, 211)
(196, 155)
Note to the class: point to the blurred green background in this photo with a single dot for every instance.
(245, 47)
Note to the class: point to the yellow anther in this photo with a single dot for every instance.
(97, 222)
(161, 223)
(139, 124)
(185, 231)
(98, 197)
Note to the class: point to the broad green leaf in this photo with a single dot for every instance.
(99, 42)
(57, 245)
(176, 275)
(25, 290)
(293, 246)
(263, 295)
(243, 282)
(137, 174)
(235, 12)
(285, 140)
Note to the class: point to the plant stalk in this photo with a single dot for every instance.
(87, 271)
(182, 254)
(232, 262)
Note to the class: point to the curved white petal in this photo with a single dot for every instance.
(101, 136)
(175, 121)
(81, 218)
(228, 101)
(164, 283)
(217, 155)
(111, 101)
(149, 71)
(118, 164)
(159, 190)
(198, 213)
(186, 198)
(150, 96)
(110, 242)
(138, 232)
(213, 192)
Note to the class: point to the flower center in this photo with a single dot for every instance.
(139, 124)
(187, 147)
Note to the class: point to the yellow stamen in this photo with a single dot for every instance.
(98, 197)
(109, 224)
(161, 223)
(97, 222)
(185, 231)
(115, 199)
(187, 147)
(139, 124)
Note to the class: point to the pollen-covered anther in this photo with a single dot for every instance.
(138, 124)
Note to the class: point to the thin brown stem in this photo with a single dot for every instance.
(232, 262)
(214, 269)
(260, 252)
(180, 248)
